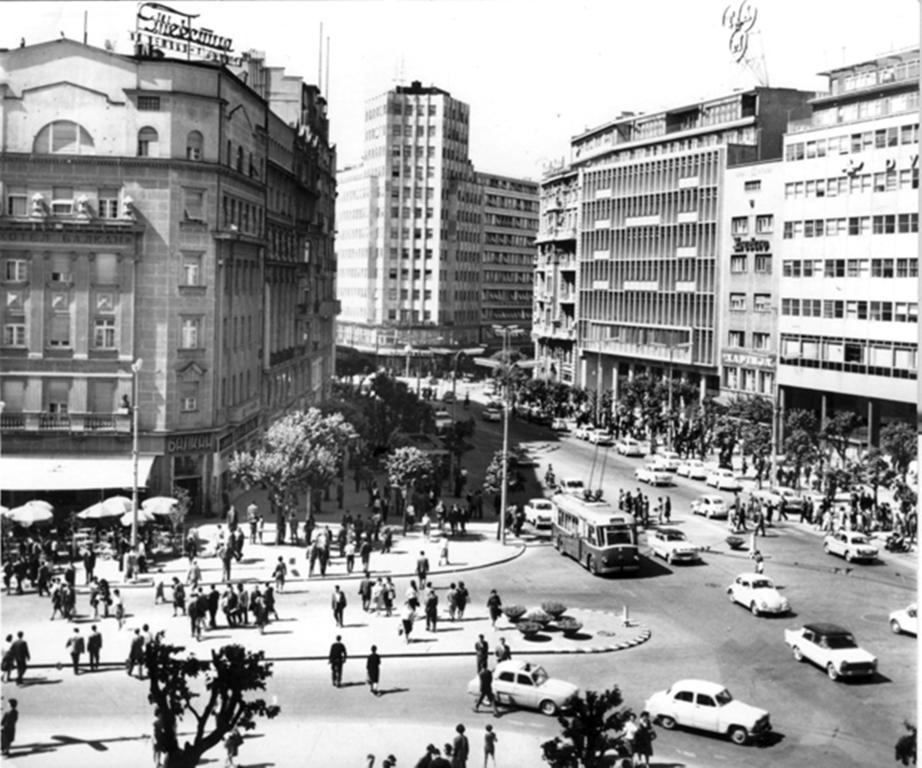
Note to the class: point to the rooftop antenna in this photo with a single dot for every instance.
(84, 26)
(320, 58)
(326, 86)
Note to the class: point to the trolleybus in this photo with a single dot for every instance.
(596, 534)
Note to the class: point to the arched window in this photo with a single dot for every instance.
(63, 137)
(147, 142)
(194, 146)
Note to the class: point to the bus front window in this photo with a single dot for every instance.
(617, 535)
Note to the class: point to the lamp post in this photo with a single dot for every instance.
(135, 370)
(506, 332)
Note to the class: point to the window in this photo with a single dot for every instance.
(765, 224)
(738, 302)
(104, 333)
(148, 103)
(908, 222)
(17, 202)
(736, 339)
(15, 271)
(147, 143)
(763, 264)
(194, 145)
(188, 396)
(762, 302)
(57, 397)
(684, 696)
(63, 137)
(738, 264)
(14, 335)
(192, 269)
(194, 204)
(59, 332)
(108, 203)
(739, 225)
(62, 201)
(761, 341)
(191, 333)
(752, 186)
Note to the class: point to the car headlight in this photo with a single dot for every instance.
(763, 604)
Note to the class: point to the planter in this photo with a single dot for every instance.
(554, 609)
(568, 626)
(529, 628)
(537, 615)
(514, 612)
(735, 542)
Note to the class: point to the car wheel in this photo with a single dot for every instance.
(668, 558)
(754, 609)
(590, 564)
(738, 734)
(558, 545)
(667, 722)
(798, 654)
(826, 548)
(832, 672)
(731, 596)
(895, 627)
(548, 708)
(848, 556)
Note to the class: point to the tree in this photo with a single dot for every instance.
(299, 452)
(898, 440)
(589, 730)
(756, 442)
(407, 468)
(837, 430)
(456, 438)
(229, 677)
(801, 442)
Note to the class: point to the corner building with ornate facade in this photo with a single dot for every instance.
(159, 210)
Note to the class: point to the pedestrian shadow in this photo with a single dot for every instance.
(415, 640)
(353, 626)
(450, 629)
(386, 691)
(59, 740)
(278, 632)
(352, 684)
(209, 636)
(30, 681)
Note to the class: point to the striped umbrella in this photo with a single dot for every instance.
(31, 514)
(160, 505)
(114, 506)
(144, 517)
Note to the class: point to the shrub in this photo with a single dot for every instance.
(514, 612)
(555, 609)
(536, 615)
(529, 627)
(569, 626)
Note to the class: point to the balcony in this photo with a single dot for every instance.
(71, 423)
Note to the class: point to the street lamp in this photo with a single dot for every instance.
(135, 370)
(506, 332)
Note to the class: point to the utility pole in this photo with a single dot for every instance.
(505, 332)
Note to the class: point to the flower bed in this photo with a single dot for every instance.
(514, 612)
(554, 609)
(568, 626)
(529, 628)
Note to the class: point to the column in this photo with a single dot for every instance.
(127, 267)
(873, 427)
(36, 323)
(824, 403)
(781, 407)
(702, 388)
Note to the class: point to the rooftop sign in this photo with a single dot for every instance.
(159, 28)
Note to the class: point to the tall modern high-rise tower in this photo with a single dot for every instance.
(409, 238)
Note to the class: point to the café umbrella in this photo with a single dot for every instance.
(114, 506)
(144, 517)
(31, 513)
(160, 505)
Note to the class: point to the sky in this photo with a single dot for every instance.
(534, 72)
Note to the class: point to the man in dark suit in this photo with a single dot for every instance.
(214, 600)
(19, 649)
(338, 657)
(77, 646)
(94, 646)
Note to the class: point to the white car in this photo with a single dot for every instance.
(708, 707)
(832, 648)
(628, 446)
(672, 545)
(851, 545)
(758, 594)
(600, 437)
(583, 431)
(724, 480)
(792, 500)
(541, 513)
(490, 413)
(571, 485)
(710, 505)
(560, 425)
(522, 684)
(905, 620)
(650, 474)
(693, 469)
(668, 460)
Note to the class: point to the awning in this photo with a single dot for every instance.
(52, 473)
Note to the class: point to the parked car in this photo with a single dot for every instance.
(600, 437)
(852, 545)
(710, 505)
(628, 446)
(693, 469)
(792, 501)
(724, 480)
(571, 485)
(758, 593)
(522, 458)
(442, 420)
(523, 684)
(832, 648)
(672, 545)
(560, 425)
(668, 460)
(905, 620)
(650, 474)
(448, 396)
(492, 413)
(710, 707)
(583, 431)
(541, 513)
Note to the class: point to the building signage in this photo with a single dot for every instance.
(751, 246)
(240, 431)
(743, 358)
(161, 27)
(63, 236)
(196, 442)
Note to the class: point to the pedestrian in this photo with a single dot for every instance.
(338, 603)
(8, 727)
(503, 652)
(485, 677)
(482, 652)
(193, 575)
(136, 654)
(643, 740)
(76, 645)
(432, 609)
(494, 606)
(366, 587)
(195, 618)
(443, 551)
(407, 617)
(214, 601)
(452, 599)
(627, 736)
(229, 606)
(269, 603)
(460, 748)
(489, 745)
(232, 743)
(179, 596)
(462, 599)
(279, 574)
(365, 552)
(422, 567)
(337, 660)
(93, 647)
(373, 670)
(6, 665)
(243, 605)
(760, 562)
(19, 649)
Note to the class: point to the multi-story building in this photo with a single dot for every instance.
(749, 264)
(160, 228)
(408, 259)
(651, 206)
(555, 288)
(849, 276)
(510, 223)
